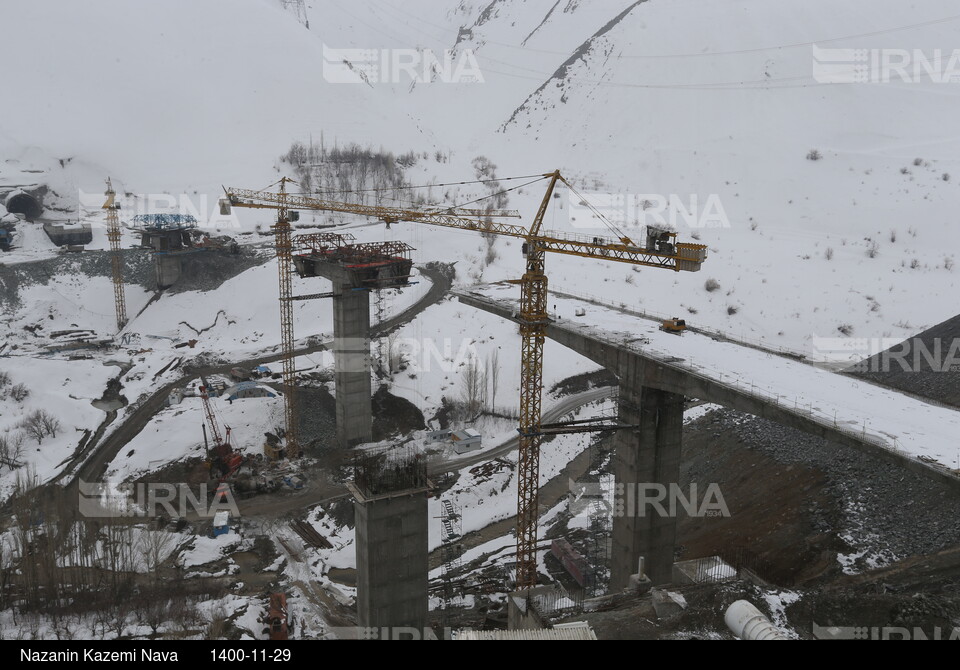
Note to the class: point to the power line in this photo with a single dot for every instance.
(774, 47)
(730, 85)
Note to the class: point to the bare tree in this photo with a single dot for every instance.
(155, 546)
(19, 392)
(16, 447)
(473, 386)
(51, 424)
(493, 375)
(33, 425)
(39, 424)
(217, 628)
(157, 611)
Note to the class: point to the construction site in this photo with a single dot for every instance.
(415, 395)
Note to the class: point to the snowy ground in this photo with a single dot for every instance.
(175, 433)
(641, 100)
(62, 388)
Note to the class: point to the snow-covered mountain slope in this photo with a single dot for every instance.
(717, 100)
(698, 100)
(175, 96)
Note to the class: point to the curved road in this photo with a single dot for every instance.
(95, 458)
(555, 413)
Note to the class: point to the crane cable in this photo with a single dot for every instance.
(507, 190)
(583, 199)
(412, 186)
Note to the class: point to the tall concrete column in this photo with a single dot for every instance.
(390, 513)
(351, 357)
(649, 454)
(168, 270)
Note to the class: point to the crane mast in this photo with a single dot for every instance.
(659, 251)
(284, 250)
(116, 261)
(533, 328)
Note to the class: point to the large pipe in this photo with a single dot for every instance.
(749, 623)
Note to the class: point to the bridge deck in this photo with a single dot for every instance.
(874, 415)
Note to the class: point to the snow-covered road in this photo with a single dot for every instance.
(885, 416)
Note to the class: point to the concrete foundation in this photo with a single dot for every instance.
(392, 567)
(522, 614)
(69, 233)
(351, 356)
(649, 454)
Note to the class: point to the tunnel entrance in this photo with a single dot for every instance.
(26, 204)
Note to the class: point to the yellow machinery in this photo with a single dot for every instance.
(658, 252)
(674, 325)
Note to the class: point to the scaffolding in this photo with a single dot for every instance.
(599, 540)
(283, 246)
(317, 242)
(177, 234)
(451, 531)
(370, 265)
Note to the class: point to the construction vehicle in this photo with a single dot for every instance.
(674, 325)
(224, 461)
(660, 251)
(278, 624)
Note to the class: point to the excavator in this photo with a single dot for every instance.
(223, 460)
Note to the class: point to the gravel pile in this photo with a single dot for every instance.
(889, 511)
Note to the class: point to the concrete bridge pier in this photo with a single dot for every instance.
(351, 357)
(649, 454)
(168, 269)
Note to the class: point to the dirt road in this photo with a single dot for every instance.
(98, 457)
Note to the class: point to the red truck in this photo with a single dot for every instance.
(277, 617)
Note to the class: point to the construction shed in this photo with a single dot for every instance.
(245, 390)
(466, 440)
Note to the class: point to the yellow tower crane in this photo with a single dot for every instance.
(660, 251)
(284, 250)
(116, 260)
